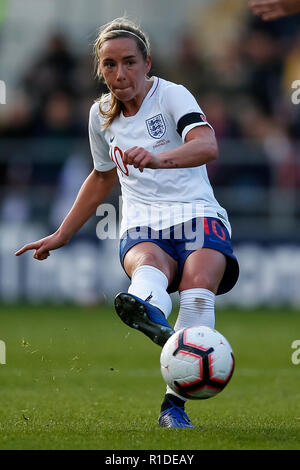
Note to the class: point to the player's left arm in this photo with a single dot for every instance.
(200, 147)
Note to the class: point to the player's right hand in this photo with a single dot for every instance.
(140, 158)
(43, 247)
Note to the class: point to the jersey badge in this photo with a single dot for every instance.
(156, 126)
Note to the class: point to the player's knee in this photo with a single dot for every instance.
(150, 256)
(199, 280)
(150, 259)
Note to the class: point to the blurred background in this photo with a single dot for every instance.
(241, 71)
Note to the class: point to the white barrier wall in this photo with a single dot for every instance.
(90, 271)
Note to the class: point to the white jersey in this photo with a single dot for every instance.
(157, 198)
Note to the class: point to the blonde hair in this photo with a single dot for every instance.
(119, 27)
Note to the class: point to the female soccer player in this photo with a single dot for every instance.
(152, 134)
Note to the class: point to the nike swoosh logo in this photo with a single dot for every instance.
(112, 139)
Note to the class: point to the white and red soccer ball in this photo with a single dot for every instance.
(197, 362)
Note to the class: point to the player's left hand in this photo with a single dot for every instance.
(140, 158)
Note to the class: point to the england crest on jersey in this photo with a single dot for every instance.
(156, 126)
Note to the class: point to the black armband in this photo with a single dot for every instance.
(188, 119)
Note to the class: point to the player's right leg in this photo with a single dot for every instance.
(147, 303)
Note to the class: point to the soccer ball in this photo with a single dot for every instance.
(197, 362)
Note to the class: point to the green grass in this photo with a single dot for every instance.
(77, 378)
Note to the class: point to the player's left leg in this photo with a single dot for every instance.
(201, 277)
(202, 274)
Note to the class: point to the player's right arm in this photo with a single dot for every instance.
(92, 193)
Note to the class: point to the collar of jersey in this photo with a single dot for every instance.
(149, 94)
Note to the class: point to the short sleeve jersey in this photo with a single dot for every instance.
(157, 198)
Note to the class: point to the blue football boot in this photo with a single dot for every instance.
(174, 417)
(141, 315)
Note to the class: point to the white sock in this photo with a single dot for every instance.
(197, 307)
(149, 283)
(169, 390)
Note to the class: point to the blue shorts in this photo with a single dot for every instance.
(206, 232)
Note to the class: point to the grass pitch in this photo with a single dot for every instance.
(76, 378)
